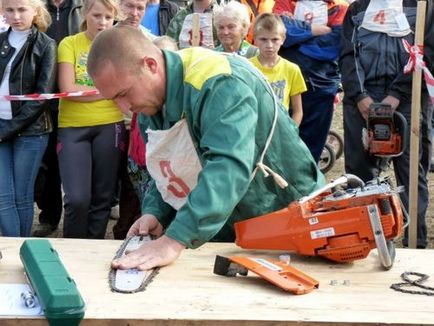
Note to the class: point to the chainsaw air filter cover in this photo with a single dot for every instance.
(387, 131)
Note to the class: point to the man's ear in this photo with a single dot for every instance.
(150, 64)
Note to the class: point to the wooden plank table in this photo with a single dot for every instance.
(188, 293)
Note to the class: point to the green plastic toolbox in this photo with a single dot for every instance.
(56, 290)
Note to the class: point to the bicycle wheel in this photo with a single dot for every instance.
(335, 140)
(327, 159)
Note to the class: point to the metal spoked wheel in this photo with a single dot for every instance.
(336, 142)
(327, 159)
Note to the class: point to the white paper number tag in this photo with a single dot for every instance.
(386, 16)
(313, 12)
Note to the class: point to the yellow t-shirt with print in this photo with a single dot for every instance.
(285, 79)
(74, 50)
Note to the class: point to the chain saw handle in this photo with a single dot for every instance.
(351, 180)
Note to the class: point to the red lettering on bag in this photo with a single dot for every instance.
(380, 18)
(176, 185)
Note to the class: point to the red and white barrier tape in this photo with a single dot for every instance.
(416, 62)
(41, 97)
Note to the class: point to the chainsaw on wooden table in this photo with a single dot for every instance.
(341, 225)
(131, 280)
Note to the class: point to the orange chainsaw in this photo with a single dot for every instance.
(342, 225)
(386, 132)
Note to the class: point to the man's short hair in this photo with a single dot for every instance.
(123, 46)
(165, 43)
(270, 23)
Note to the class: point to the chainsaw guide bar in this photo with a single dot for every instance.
(131, 280)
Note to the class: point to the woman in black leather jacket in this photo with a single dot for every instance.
(27, 66)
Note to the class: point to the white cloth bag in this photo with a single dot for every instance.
(173, 163)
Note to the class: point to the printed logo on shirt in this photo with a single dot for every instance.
(279, 89)
(81, 76)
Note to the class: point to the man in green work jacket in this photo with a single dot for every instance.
(215, 133)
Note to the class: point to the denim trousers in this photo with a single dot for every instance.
(20, 159)
(318, 107)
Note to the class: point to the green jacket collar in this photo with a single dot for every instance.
(173, 106)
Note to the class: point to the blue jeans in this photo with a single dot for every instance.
(317, 118)
(432, 136)
(19, 164)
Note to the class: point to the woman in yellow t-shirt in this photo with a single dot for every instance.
(91, 132)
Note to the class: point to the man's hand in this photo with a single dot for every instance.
(392, 101)
(151, 254)
(320, 29)
(146, 224)
(363, 106)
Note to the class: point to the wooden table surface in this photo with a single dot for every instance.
(188, 293)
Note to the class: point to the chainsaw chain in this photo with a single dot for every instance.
(410, 282)
(112, 272)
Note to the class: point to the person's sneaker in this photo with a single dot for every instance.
(43, 230)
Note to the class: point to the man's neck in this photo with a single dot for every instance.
(124, 23)
(232, 47)
(57, 3)
(201, 6)
(269, 62)
(153, 2)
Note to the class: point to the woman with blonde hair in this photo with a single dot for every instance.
(91, 131)
(27, 66)
(232, 24)
(3, 25)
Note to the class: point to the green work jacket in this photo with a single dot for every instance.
(229, 110)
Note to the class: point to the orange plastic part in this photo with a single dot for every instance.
(339, 230)
(278, 273)
(390, 147)
(384, 137)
